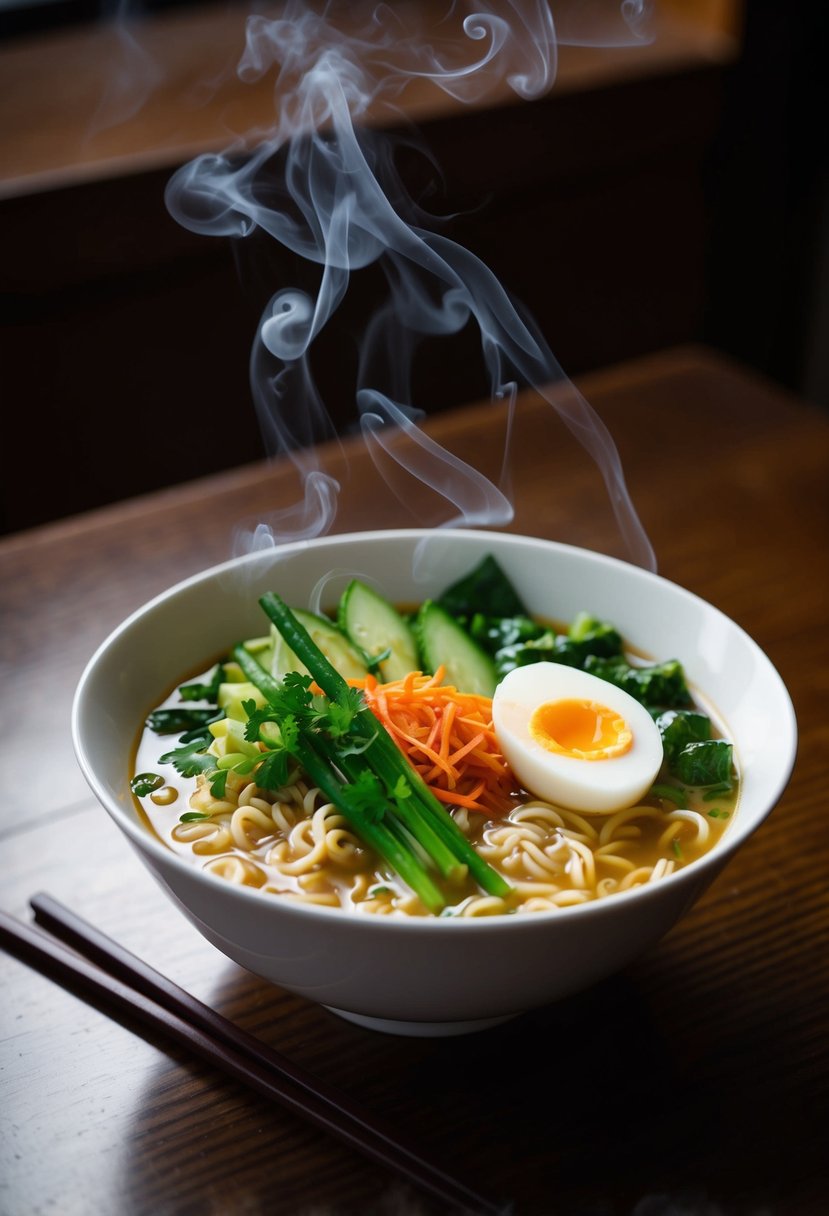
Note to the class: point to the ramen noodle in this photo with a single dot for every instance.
(292, 843)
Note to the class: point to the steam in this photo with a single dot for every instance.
(323, 185)
(135, 76)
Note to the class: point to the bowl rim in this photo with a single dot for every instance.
(692, 875)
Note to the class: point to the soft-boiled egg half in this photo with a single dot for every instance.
(575, 740)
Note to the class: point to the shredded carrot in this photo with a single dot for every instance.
(448, 737)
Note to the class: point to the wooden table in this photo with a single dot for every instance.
(698, 1074)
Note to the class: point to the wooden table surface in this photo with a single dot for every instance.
(694, 1081)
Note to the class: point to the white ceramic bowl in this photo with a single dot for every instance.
(429, 976)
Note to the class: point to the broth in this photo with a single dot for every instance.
(293, 844)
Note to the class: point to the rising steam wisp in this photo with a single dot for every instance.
(332, 208)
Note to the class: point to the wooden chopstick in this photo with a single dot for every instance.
(110, 975)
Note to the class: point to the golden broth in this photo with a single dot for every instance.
(292, 844)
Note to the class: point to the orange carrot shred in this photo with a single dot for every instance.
(448, 737)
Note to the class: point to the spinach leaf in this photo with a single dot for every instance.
(656, 684)
(487, 589)
(705, 763)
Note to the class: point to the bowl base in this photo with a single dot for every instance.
(423, 1030)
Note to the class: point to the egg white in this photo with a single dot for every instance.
(598, 785)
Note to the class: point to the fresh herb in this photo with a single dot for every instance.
(718, 813)
(677, 848)
(351, 757)
(274, 770)
(192, 816)
(218, 782)
(190, 758)
(145, 783)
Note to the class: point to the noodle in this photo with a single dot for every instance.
(292, 843)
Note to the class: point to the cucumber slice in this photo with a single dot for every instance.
(374, 625)
(232, 694)
(331, 641)
(443, 641)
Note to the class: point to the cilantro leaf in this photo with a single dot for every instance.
(190, 759)
(402, 789)
(368, 795)
(218, 782)
(339, 715)
(274, 770)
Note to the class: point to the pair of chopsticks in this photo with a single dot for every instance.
(105, 972)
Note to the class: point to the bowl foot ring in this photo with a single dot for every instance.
(426, 1030)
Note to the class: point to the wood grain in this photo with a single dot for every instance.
(120, 97)
(697, 1076)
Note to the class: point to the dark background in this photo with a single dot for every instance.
(686, 206)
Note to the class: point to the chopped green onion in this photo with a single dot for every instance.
(673, 793)
(718, 791)
(356, 763)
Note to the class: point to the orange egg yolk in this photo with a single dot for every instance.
(584, 730)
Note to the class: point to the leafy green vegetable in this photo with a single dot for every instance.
(707, 763)
(655, 685)
(485, 588)
(679, 727)
(586, 637)
(540, 649)
(347, 753)
(493, 633)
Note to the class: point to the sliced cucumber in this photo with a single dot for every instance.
(331, 641)
(374, 625)
(232, 694)
(444, 642)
